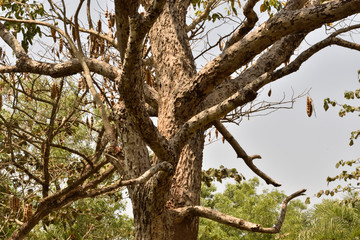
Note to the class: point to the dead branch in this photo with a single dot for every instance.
(234, 221)
(242, 154)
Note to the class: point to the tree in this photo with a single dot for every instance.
(245, 200)
(143, 67)
(332, 219)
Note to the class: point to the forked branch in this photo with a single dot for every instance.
(234, 221)
(242, 154)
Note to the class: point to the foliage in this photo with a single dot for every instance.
(212, 174)
(49, 124)
(98, 218)
(24, 10)
(332, 220)
(351, 177)
(245, 200)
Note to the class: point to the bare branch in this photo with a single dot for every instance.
(295, 65)
(251, 19)
(242, 154)
(204, 15)
(163, 166)
(208, 115)
(233, 221)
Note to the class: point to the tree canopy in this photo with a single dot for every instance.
(99, 97)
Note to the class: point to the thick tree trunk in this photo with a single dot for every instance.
(186, 186)
(152, 217)
(175, 68)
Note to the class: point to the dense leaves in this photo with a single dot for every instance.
(248, 200)
(23, 10)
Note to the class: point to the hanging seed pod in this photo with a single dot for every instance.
(112, 20)
(148, 76)
(107, 58)
(14, 203)
(61, 44)
(0, 101)
(53, 34)
(73, 31)
(98, 26)
(223, 139)
(102, 46)
(309, 106)
(9, 94)
(91, 122)
(42, 148)
(54, 91)
(221, 45)
(216, 133)
(27, 212)
(106, 13)
(87, 122)
(269, 93)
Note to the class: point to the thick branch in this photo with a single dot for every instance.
(131, 82)
(304, 56)
(123, 10)
(242, 154)
(12, 42)
(284, 23)
(251, 19)
(211, 114)
(233, 221)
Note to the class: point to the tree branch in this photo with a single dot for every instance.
(208, 115)
(12, 41)
(283, 23)
(131, 82)
(251, 19)
(234, 221)
(242, 154)
(163, 166)
(204, 15)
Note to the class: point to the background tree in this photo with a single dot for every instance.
(246, 200)
(141, 65)
(332, 219)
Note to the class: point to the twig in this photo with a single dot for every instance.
(242, 154)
